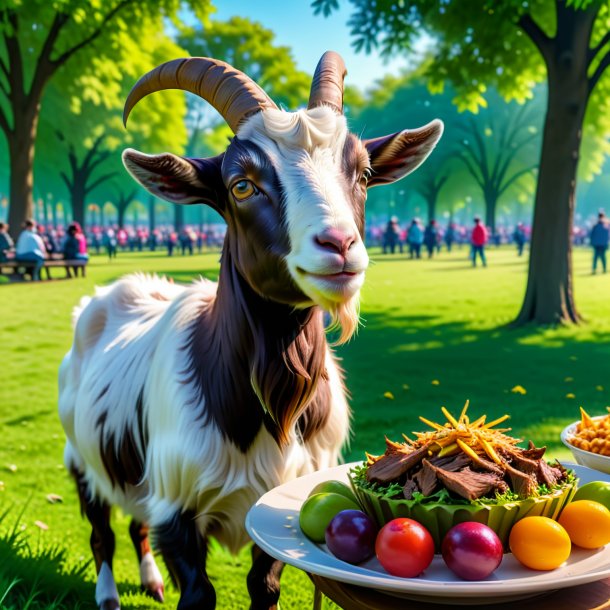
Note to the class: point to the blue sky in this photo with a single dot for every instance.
(309, 36)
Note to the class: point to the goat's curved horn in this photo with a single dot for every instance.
(327, 84)
(235, 95)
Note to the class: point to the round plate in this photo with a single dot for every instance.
(273, 524)
(585, 458)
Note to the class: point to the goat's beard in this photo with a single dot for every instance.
(345, 318)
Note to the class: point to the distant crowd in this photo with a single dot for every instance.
(36, 243)
(415, 238)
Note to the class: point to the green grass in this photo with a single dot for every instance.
(424, 321)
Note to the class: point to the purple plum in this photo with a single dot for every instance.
(472, 550)
(350, 536)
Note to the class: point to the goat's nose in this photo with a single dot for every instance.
(335, 240)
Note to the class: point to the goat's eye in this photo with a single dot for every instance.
(243, 189)
(366, 174)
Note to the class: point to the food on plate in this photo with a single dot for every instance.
(539, 543)
(472, 550)
(592, 434)
(598, 491)
(461, 470)
(587, 523)
(350, 536)
(318, 510)
(336, 487)
(404, 548)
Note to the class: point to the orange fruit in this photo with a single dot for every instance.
(539, 543)
(587, 523)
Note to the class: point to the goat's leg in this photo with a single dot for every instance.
(185, 550)
(150, 577)
(264, 580)
(102, 544)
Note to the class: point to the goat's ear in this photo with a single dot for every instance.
(176, 179)
(393, 157)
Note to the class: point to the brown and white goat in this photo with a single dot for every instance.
(182, 405)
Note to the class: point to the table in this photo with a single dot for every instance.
(592, 596)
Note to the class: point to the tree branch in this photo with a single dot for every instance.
(66, 180)
(6, 128)
(597, 48)
(471, 169)
(99, 181)
(63, 58)
(543, 43)
(44, 66)
(603, 64)
(515, 177)
(92, 151)
(15, 60)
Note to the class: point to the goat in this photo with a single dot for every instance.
(182, 405)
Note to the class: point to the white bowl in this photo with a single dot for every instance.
(586, 458)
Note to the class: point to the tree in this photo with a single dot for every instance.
(123, 201)
(497, 150)
(515, 44)
(41, 39)
(80, 181)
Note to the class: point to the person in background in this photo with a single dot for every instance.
(600, 236)
(391, 236)
(519, 238)
(110, 241)
(450, 236)
(73, 245)
(31, 249)
(478, 239)
(430, 237)
(6, 242)
(415, 238)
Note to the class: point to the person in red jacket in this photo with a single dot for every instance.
(478, 239)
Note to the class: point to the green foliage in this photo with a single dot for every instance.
(481, 45)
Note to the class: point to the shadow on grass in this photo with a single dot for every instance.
(425, 363)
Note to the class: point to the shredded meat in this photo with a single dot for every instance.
(466, 483)
(393, 464)
(524, 485)
(452, 463)
(426, 478)
(548, 475)
(409, 487)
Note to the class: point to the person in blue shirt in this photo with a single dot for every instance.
(600, 236)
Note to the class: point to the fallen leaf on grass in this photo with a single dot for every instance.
(568, 379)
(12, 467)
(435, 382)
(54, 498)
(388, 395)
(570, 395)
(599, 388)
(519, 389)
(42, 525)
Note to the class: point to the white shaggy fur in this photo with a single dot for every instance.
(128, 337)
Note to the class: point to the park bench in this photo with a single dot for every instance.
(20, 268)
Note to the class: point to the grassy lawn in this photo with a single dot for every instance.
(434, 334)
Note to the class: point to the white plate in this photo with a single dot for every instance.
(585, 458)
(273, 523)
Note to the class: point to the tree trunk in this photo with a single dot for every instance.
(77, 196)
(491, 201)
(431, 206)
(549, 297)
(121, 215)
(21, 150)
(178, 218)
(151, 214)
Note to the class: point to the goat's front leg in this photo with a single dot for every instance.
(185, 550)
(264, 580)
